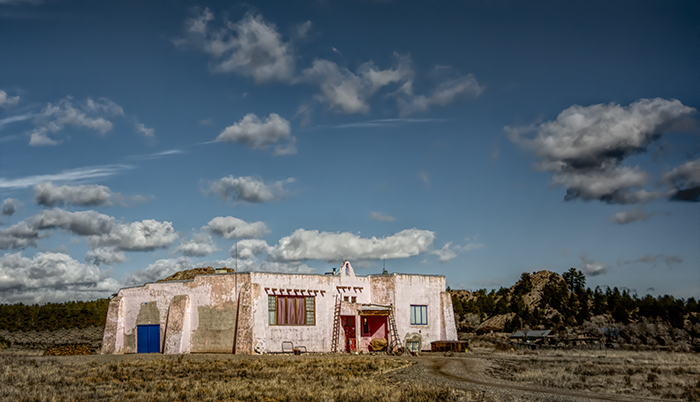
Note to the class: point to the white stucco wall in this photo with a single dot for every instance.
(216, 296)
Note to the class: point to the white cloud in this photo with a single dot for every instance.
(445, 254)
(101, 231)
(27, 232)
(592, 268)
(449, 252)
(54, 118)
(201, 245)
(249, 189)
(9, 206)
(145, 235)
(249, 249)
(46, 194)
(470, 246)
(257, 134)
(251, 47)
(230, 227)
(50, 277)
(327, 246)
(629, 216)
(84, 173)
(445, 93)
(145, 131)
(6, 100)
(14, 119)
(160, 269)
(377, 216)
(105, 256)
(349, 92)
(585, 145)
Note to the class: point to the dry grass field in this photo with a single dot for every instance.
(144, 378)
(642, 374)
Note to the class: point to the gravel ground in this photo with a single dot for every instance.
(467, 374)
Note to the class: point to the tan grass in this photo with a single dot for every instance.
(208, 378)
(644, 374)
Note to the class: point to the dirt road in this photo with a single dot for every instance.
(468, 374)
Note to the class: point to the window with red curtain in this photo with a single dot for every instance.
(291, 310)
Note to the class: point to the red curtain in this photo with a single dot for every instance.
(301, 310)
(290, 310)
(281, 310)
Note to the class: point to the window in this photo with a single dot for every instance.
(419, 315)
(291, 310)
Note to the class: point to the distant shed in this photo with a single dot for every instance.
(536, 336)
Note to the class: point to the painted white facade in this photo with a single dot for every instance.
(230, 313)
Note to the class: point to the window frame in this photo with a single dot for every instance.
(309, 310)
(418, 319)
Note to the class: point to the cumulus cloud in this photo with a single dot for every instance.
(91, 115)
(249, 249)
(50, 277)
(686, 181)
(105, 256)
(377, 216)
(82, 223)
(145, 235)
(84, 173)
(249, 189)
(584, 146)
(592, 268)
(6, 100)
(328, 246)
(101, 231)
(445, 93)
(258, 134)
(349, 92)
(632, 215)
(250, 47)
(230, 227)
(48, 195)
(669, 260)
(160, 269)
(9, 206)
(200, 245)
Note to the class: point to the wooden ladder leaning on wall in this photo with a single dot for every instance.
(395, 341)
(336, 325)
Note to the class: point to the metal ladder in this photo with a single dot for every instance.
(395, 341)
(336, 325)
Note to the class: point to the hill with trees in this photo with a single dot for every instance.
(563, 303)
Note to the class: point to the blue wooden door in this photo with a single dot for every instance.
(148, 338)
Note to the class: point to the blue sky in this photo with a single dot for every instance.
(477, 140)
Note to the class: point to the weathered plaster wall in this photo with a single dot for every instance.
(419, 290)
(449, 327)
(324, 288)
(177, 335)
(247, 309)
(204, 314)
(150, 304)
(113, 338)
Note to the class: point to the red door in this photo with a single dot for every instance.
(350, 337)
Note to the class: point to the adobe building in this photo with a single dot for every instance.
(260, 312)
